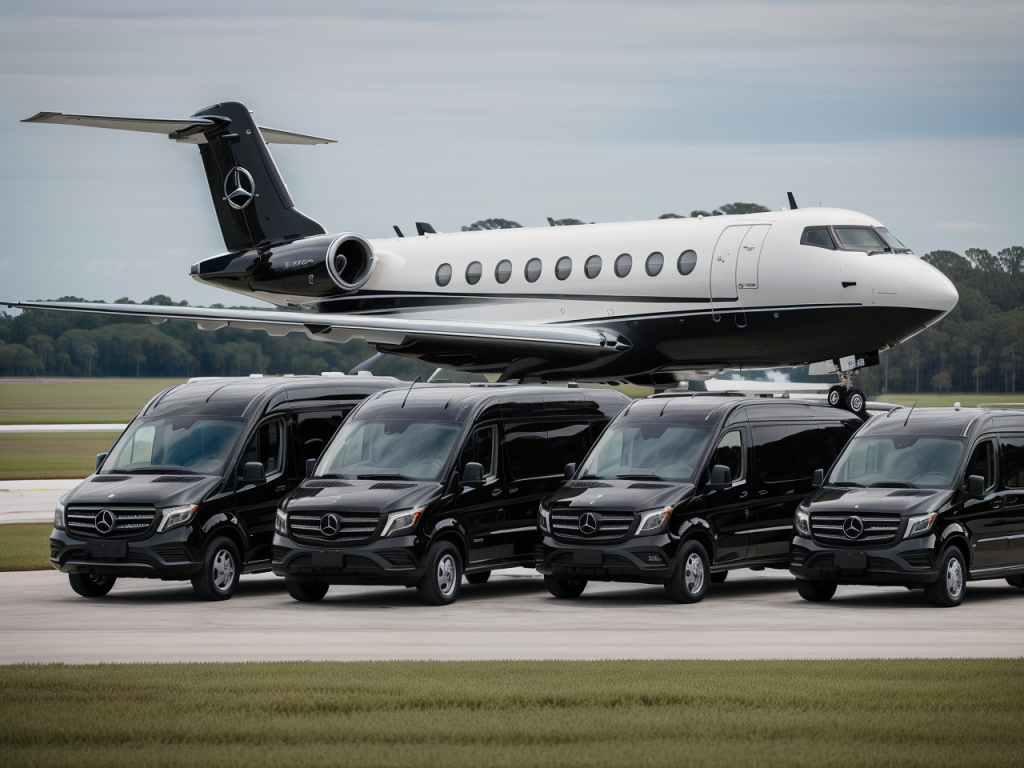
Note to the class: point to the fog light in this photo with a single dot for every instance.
(654, 559)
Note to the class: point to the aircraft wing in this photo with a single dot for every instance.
(519, 340)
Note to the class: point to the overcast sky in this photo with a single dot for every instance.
(451, 112)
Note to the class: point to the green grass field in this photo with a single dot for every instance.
(966, 399)
(25, 546)
(51, 455)
(832, 713)
(76, 401)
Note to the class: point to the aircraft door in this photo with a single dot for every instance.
(723, 269)
(750, 256)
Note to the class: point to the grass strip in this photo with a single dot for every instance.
(76, 401)
(51, 455)
(813, 713)
(25, 546)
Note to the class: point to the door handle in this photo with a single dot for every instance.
(746, 512)
(762, 493)
(513, 490)
(496, 492)
(281, 489)
(743, 495)
(996, 503)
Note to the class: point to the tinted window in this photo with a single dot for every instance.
(654, 264)
(819, 236)
(266, 447)
(1013, 462)
(593, 267)
(657, 450)
(474, 272)
(316, 428)
(527, 450)
(729, 453)
(563, 268)
(859, 239)
(835, 436)
(482, 448)
(196, 443)
(899, 461)
(788, 453)
(983, 462)
(443, 275)
(503, 271)
(623, 264)
(567, 442)
(687, 261)
(532, 272)
(393, 447)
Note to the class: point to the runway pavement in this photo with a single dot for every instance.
(751, 616)
(31, 501)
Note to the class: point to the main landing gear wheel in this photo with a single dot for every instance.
(692, 575)
(221, 568)
(478, 578)
(856, 402)
(836, 396)
(816, 591)
(306, 591)
(440, 585)
(563, 587)
(948, 590)
(91, 585)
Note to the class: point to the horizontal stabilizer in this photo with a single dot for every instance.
(189, 129)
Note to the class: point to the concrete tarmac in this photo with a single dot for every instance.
(754, 615)
(31, 501)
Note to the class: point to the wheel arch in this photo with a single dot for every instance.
(698, 529)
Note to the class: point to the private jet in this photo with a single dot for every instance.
(651, 302)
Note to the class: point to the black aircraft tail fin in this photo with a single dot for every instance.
(252, 202)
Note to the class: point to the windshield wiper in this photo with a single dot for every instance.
(384, 476)
(892, 484)
(333, 477)
(847, 484)
(648, 476)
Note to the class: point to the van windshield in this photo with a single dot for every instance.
(898, 461)
(380, 449)
(178, 444)
(632, 451)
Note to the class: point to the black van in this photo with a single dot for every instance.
(190, 488)
(681, 489)
(924, 498)
(423, 484)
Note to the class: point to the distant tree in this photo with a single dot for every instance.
(123, 300)
(734, 209)
(982, 259)
(492, 224)
(695, 214)
(1012, 260)
(18, 360)
(160, 300)
(566, 222)
(942, 381)
(42, 346)
(671, 216)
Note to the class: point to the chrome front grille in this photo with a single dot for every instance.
(132, 522)
(878, 529)
(611, 526)
(353, 527)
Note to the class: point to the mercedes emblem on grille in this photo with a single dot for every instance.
(588, 523)
(853, 527)
(330, 524)
(105, 521)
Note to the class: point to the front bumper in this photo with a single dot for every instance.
(400, 561)
(645, 559)
(167, 556)
(911, 561)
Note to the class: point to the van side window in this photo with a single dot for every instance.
(836, 435)
(482, 447)
(1013, 461)
(729, 453)
(527, 450)
(316, 428)
(983, 463)
(788, 453)
(266, 447)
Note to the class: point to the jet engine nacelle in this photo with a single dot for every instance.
(318, 267)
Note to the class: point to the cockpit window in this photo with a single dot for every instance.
(892, 242)
(859, 239)
(818, 236)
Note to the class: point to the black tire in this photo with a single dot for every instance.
(478, 578)
(566, 588)
(720, 577)
(690, 581)
(948, 590)
(1016, 581)
(440, 585)
(836, 396)
(306, 591)
(222, 566)
(856, 402)
(91, 585)
(816, 591)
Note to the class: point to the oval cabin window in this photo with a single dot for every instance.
(532, 272)
(623, 264)
(563, 268)
(654, 264)
(503, 271)
(593, 267)
(474, 272)
(687, 261)
(443, 276)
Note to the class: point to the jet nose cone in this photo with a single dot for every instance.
(932, 295)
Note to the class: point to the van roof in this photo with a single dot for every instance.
(714, 409)
(957, 422)
(244, 397)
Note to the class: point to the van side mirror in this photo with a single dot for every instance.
(99, 460)
(253, 472)
(819, 478)
(721, 477)
(975, 487)
(473, 475)
(310, 464)
(570, 470)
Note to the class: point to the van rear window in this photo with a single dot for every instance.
(1013, 461)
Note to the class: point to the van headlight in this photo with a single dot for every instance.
(281, 522)
(803, 523)
(544, 517)
(175, 517)
(653, 521)
(401, 521)
(920, 525)
(58, 514)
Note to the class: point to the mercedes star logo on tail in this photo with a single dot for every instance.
(239, 188)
